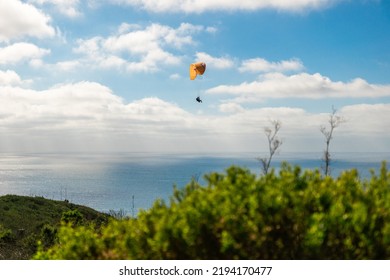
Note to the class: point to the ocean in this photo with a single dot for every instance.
(130, 182)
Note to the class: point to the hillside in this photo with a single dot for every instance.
(25, 220)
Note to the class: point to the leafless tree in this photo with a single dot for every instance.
(274, 143)
(334, 121)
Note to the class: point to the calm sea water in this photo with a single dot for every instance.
(133, 181)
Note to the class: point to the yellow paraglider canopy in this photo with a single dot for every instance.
(197, 69)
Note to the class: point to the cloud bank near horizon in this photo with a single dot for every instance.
(303, 85)
(89, 117)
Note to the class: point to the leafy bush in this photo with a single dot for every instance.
(72, 217)
(48, 235)
(5, 234)
(237, 215)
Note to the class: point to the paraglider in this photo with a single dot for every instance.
(196, 69)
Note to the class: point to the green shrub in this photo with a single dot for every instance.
(48, 235)
(72, 217)
(5, 235)
(237, 215)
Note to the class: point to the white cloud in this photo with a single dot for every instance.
(37, 63)
(19, 52)
(68, 65)
(66, 7)
(215, 62)
(303, 85)
(230, 107)
(373, 118)
(18, 19)
(200, 6)
(9, 77)
(151, 38)
(138, 49)
(82, 110)
(89, 47)
(127, 27)
(262, 65)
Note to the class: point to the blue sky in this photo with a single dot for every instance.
(112, 76)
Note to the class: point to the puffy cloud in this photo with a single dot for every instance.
(154, 36)
(303, 85)
(82, 111)
(68, 65)
(262, 65)
(66, 7)
(200, 6)
(138, 49)
(19, 52)
(215, 62)
(61, 100)
(9, 77)
(18, 19)
(230, 107)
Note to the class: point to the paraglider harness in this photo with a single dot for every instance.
(198, 99)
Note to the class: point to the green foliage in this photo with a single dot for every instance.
(291, 215)
(25, 220)
(5, 234)
(72, 217)
(48, 235)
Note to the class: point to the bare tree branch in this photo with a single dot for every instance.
(334, 121)
(274, 144)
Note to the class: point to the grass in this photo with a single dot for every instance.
(25, 220)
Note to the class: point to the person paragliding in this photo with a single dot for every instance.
(196, 69)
